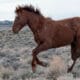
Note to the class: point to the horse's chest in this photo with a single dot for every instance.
(38, 37)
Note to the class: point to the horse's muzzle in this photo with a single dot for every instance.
(15, 31)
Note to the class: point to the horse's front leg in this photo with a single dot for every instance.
(44, 46)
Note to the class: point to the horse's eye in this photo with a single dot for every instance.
(17, 18)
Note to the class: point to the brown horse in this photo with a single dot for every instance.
(49, 33)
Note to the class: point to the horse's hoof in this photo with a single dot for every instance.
(69, 70)
(33, 69)
(45, 64)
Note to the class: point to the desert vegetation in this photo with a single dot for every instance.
(15, 59)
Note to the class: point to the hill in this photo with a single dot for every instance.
(6, 23)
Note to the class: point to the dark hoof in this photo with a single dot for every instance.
(44, 64)
(69, 70)
(33, 69)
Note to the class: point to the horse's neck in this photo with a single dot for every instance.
(34, 24)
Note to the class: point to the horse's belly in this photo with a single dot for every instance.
(64, 37)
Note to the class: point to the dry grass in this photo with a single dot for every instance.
(57, 67)
(15, 59)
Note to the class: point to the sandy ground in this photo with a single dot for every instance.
(15, 58)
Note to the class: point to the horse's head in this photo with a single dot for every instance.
(25, 15)
(21, 19)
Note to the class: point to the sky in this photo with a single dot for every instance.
(56, 9)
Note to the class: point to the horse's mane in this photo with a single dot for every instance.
(29, 8)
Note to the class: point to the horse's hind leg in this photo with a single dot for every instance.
(70, 69)
(75, 53)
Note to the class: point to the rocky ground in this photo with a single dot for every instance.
(15, 58)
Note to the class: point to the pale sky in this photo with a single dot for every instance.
(56, 9)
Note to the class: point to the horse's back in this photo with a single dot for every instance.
(62, 32)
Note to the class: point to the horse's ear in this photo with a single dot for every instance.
(18, 10)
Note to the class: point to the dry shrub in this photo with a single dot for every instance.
(57, 67)
(5, 72)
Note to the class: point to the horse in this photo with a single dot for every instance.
(48, 33)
